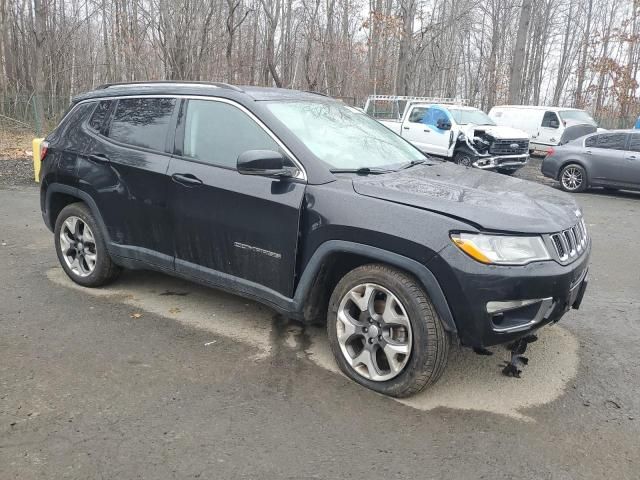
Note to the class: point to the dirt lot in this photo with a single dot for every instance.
(158, 378)
(16, 164)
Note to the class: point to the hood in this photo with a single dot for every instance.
(498, 132)
(492, 201)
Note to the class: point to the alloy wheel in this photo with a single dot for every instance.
(78, 246)
(374, 332)
(572, 178)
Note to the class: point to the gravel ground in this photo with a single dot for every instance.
(532, 172)
(16, 171)
(156, 377)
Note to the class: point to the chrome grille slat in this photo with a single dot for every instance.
(570, 243)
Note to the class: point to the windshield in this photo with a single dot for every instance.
(465, 117)
(343, 137)
(577, 116)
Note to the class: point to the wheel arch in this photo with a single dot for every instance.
(59, 196)
(334, 258)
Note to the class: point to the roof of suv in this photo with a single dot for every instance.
(214, 89)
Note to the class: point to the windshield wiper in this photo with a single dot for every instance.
(362, 170)
(410, 164)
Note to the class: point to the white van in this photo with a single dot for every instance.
(545, 125)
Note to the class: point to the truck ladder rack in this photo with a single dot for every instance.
(441, 100)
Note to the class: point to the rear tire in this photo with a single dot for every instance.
(384, 331)
(81, 248)
(573, 178)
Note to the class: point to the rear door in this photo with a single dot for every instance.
(133, 151)
(606, 153)
(231, 229)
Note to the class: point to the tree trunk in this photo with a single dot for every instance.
(37, 68)
(515, 81)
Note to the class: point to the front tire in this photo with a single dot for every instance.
(384, 331)
(81, 248)
(573, 178)
(463, 158)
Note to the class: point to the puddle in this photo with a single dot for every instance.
(470, 382)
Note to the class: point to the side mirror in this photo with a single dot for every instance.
(266, 163)
(443, 124)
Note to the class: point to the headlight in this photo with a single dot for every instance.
(501, 249)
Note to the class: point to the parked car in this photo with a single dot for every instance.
(544, 125)
(637, 125)
(610, 160)
(464, 135)
(313, 208)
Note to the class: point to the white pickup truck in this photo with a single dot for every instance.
(448, 129)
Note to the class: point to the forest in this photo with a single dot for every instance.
(574, 53)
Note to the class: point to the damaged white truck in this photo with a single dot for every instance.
(448, 129)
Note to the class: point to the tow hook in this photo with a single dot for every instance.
(513, 366)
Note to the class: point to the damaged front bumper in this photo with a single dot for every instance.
(494, 305)
(503, 162)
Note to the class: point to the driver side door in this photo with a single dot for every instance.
(549, 132)
(235, 231)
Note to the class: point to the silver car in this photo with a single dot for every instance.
(609, 159)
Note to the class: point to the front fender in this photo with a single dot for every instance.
(421, 272)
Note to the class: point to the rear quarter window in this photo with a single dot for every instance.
(142, 122)
(99, 116)
(591, 141)
(69, 128)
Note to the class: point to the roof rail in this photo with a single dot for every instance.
(442, 100)
(168, 82)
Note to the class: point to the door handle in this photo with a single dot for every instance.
(632, 157)
(426, 130)
(588, 152)
(186, 179)
(406, 128)
(99, 157)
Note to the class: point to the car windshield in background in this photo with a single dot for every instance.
(466, 117)
(578, 116)
(343, 137)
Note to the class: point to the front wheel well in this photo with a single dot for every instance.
(331, 270)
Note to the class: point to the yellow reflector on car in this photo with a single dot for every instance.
(468, 247)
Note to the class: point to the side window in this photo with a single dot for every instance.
(550, 120)
(99, 115)
(417, 114)
(612, 141)
(143, 122)
(634, 143)
(216, 133)
(439, 115)
(591, 141)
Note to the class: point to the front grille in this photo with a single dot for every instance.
(509, 147)
(570, 243)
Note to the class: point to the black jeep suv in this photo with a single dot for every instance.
(316, 210)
